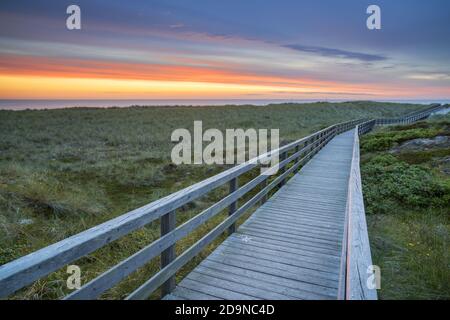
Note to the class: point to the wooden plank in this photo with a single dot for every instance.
(281, 256)
(299, 230)
(325, 214)
(304, 220)
(304, 283)
(307, 215)
(308, 191)
(211, 289)
(290, 234)
(280, 292)
(317, 195)
(310, 213)
(306, 275)
(188, 294)
(329, 248)
(172, 297)
(299, 222)
(326, 273)
(310, 256)
(289, 284)
(322, 209)
(250, 288)
(318, 228)
(292, 243)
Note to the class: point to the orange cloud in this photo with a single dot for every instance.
(31, 77)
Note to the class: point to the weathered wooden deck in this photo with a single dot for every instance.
(291, 247)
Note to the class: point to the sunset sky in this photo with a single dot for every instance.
(229, 49)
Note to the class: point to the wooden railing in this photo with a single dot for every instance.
(412, 117)
(24, 271)
(356, 257)
(356, 278)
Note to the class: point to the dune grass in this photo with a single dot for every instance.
(63, 171)
(407, 198)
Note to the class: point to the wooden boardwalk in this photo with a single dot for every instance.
(308, 241)
(291, 247)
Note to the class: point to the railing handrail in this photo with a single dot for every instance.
(414, 116)
(27, 269)
(355, 255)
(355, 249)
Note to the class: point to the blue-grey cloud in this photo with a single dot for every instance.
(331, 52)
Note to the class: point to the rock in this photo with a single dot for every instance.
(445, 160)
(423, 144)
(444, 165)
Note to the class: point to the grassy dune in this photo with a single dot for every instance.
(63, 171)
(407, 197)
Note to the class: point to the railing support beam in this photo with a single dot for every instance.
(168, 223)
(283, 157)
(234, 184)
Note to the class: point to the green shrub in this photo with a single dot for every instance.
(417, 157)
(387, 180)
(376, 143)
(387, 138)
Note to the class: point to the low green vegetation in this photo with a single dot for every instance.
(64, 171)
(407, 196)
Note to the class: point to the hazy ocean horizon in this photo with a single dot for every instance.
(58, 104)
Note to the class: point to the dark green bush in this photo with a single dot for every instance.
(376, 143)
(385, 140)
(387, 180)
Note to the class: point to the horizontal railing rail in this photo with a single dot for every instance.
(356, 257)
(358, 285)
(24, 271)
(412, 117)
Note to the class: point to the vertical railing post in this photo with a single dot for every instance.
(263, 185)
(168, 223)
(325, 136)
(233, 207)
(317, 142)
(321, 140)
(297, 149)
(283, 157)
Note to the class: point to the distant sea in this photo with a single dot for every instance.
(57, 104)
